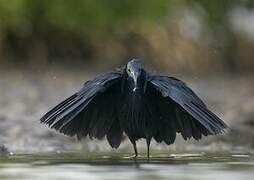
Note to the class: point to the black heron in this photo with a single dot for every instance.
(135, 103)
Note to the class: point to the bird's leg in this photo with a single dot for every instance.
(148, 141)
(135, 148)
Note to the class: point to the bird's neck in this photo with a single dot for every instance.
(135, 91)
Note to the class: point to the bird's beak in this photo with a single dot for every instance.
(135, 79)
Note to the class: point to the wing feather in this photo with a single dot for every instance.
(190, 115)
(86, 111)
(115, 135)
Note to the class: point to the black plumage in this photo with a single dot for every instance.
(134, 103)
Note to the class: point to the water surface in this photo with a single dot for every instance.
(109, 166)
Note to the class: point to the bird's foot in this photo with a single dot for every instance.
(135, 157)
(148, 158)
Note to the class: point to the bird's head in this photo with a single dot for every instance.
(134, 71)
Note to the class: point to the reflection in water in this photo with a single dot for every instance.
(95, 167)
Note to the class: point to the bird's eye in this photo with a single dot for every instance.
(129, 70)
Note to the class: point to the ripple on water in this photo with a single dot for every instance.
(106, 166)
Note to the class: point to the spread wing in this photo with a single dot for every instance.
(181, 110)
(90, 111)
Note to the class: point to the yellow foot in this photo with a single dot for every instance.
(132, 157)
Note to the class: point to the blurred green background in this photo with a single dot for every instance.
(174, 35)
(49, 48)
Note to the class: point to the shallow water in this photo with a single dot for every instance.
(121, 166)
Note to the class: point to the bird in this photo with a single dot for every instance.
(131, 102)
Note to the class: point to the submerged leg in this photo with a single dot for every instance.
(148, 141)
(135, 148)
